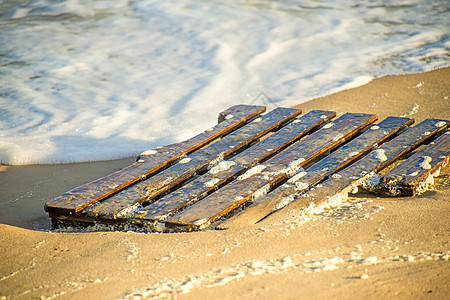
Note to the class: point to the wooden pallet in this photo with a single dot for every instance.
(259, 163)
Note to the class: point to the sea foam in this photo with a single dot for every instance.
(110, 79)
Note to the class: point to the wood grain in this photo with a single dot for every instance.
(415, 174)
(228, 170)
(186, 168)
(272, 172)
(146, 165)
(363, 172)
(336, 161)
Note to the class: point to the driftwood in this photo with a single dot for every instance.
(251, 165)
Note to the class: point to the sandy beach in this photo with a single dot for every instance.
(370, 247)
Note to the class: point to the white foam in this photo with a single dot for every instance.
(295, 262)
(414, 110)
(129, 211)
(149, 152)
(184, 160)
(372, 181)
(222, 166)
(353, 153)
(413, 174)
(215, 161)
(119, 77)
(338, 137)
(291, 169)
(301, 185)
(294, 166)
(261, 192)
(200, 222)
(253, 171)
(284, 202)
(297, 176)
(425, 163)
(370, 260)
(380, 155)
(212, 182)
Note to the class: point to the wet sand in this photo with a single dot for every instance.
(370, 247)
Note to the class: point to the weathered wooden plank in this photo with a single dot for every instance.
(186, 168)
(363, 172)
(255, 183)
(414, 175)
(150, 162)
(336, 161)
(227, 170)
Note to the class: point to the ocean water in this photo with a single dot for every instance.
(98, 80)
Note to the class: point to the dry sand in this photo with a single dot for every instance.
(369, 247)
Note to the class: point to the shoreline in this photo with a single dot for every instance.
(370, 247)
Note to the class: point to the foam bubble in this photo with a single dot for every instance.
(200, 222)
(425, 163)
(149, 152)
(253, 171)
(212, 182)
(301, 185)
(297, 176)
(184, 160)
(380, 155)
(222, 166)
